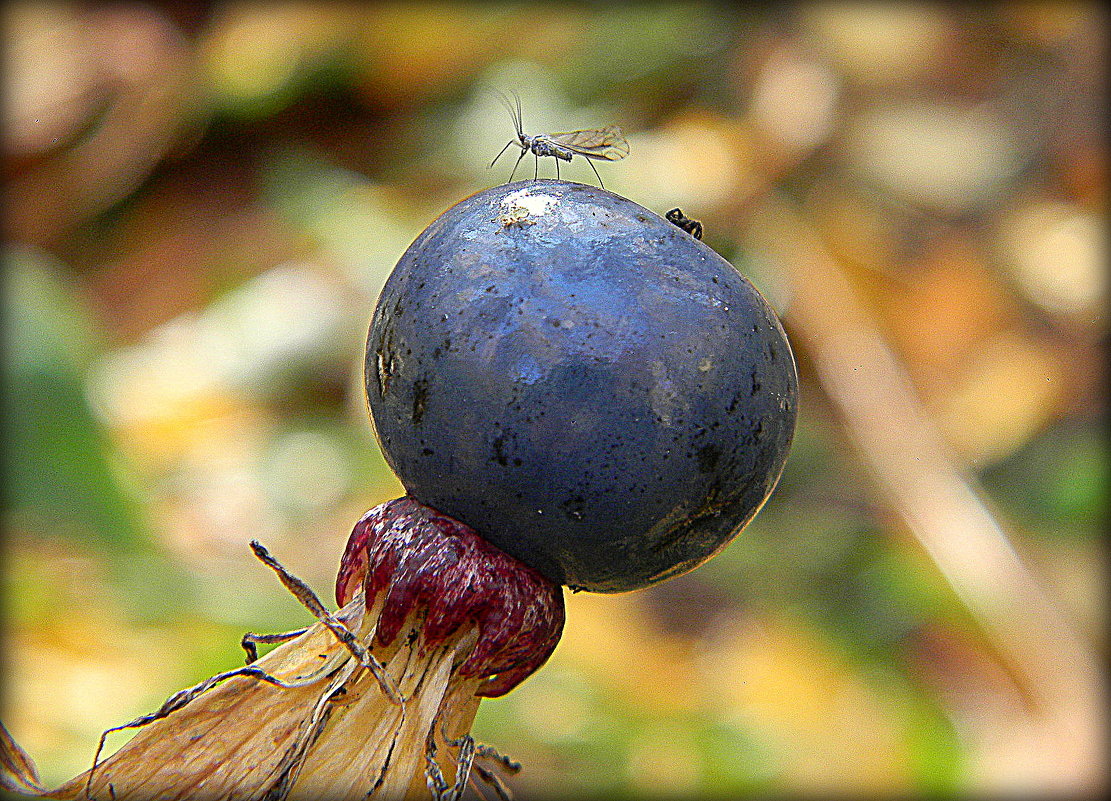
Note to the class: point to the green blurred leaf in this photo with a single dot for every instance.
(58, 462)
(937, 754)
(734, 760)
(657, 46)
(1057, 485)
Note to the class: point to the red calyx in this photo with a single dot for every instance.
(422, 559)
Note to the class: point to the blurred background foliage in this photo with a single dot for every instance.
(203, 200)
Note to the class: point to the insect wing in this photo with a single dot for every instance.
(594, 143)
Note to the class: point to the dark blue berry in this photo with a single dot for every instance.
(594, 391)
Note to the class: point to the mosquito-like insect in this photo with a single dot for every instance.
(692, 227)
(594, 143)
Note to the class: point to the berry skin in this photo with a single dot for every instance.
(595, 392)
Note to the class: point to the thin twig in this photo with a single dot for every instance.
(507, 763)
(303, 593)
(494, 781)
(250, 640)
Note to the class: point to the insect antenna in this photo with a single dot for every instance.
(514, 109)
(519, 120)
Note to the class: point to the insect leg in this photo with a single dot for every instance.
(523, 151)
(557, 169)
(535, 165)
(591, 163)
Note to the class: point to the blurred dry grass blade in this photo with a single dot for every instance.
(310, 719)
(876, 399)
(17, 771)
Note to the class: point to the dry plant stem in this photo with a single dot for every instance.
(320, 716)
(303, 593)
(877, 401)
(241, 739)
(373, 701)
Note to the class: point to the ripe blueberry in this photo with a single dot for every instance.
(595, 392)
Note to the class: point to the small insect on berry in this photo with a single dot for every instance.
(607, 143)
(692, 227)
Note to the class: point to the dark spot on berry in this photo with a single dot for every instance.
(499, 451)
(420, 398)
